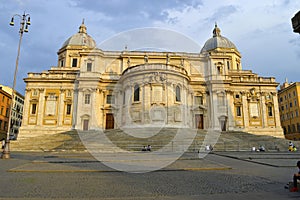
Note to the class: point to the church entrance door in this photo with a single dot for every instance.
(223, 122)
(199, 121)
(85, 124)
(109, 121)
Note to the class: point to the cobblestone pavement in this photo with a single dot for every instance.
(229, 175)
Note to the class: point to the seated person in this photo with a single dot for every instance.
(207, 148)
(144, 148)
(149, 148)
(295, 178)
(261, 148)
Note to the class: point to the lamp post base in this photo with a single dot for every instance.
(6, 153)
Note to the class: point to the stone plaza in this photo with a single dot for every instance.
(219, 175)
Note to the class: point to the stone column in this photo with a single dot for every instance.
(143, 102)
(245, 110)
(40, 114)
(276, 110)
(230, 108)
(75, 105)
(61, 106)
(214, 110)
(93, 122)
(264, 112)
(26, 107)
(80, 101)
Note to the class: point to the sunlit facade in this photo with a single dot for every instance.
(289, 108)
(92, 88)
(5, 99)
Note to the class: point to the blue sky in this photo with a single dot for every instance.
(261, 30)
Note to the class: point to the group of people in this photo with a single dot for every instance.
(291, 147)
(260, 148)
(147, 148)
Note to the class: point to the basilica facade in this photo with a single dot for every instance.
(92, 89)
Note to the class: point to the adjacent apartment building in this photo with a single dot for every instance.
(289, 109)
(5, 99)
(17, 111)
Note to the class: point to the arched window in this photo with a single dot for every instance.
(178, 99)
(136, 95)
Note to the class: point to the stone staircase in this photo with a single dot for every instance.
(65, 141)
(165, 139)
(241, 141)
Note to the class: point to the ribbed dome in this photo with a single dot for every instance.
(81, 38)
(217, 41)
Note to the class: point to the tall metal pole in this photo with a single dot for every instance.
(25, 21)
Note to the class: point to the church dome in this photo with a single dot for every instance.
(81, 38)
(217, 41)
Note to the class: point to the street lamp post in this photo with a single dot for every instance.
(24, 23)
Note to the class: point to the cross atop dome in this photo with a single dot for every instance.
(82, 28)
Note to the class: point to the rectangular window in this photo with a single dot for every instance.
(61, 63)
(294, 93)
(33, 109)
(69, 106)
(293, 128)
(74, 62)
(295, 102)
(3, 98)
(136, 94)
(221, 100)
(7, 112)
(87, 98)
(1, 111)
(0, 124)
(34, 93)
(198, 100)
(5, 126)
(110, 99)
(89, 67)
(270, 111)
(124, 98)
(291, 104)
(296, 113)
(228, 65)
(238, 111)
(69, 93)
